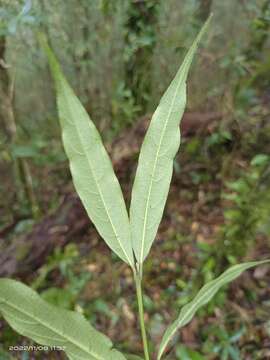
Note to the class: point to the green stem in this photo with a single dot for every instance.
(138, 282)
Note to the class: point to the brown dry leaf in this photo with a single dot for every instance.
(242, 312)
(261, 271)
(128, 314)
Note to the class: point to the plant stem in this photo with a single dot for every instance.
(138, 282)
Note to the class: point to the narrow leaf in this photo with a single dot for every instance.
(203, 297)
(91, 168)
(34, 318)
(154, 171)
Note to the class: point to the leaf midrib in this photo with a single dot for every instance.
(69, 339)
(95, 180)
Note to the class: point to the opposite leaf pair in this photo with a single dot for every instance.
(92, 171)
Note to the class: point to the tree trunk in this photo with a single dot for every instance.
(21, 171)
(6, 111)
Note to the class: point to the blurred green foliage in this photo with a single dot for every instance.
(248, 212)
(223, 344)
(64, 262)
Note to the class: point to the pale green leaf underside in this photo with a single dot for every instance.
(34, 318)
(91, 168)
(154, 171)
(203, 297)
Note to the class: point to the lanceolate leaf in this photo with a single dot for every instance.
(32, 317)
(203, 297)
(154, 172)
(91, 168)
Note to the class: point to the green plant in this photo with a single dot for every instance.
(129, 237)
(64, 261)
(247, 212)
(225, 343)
